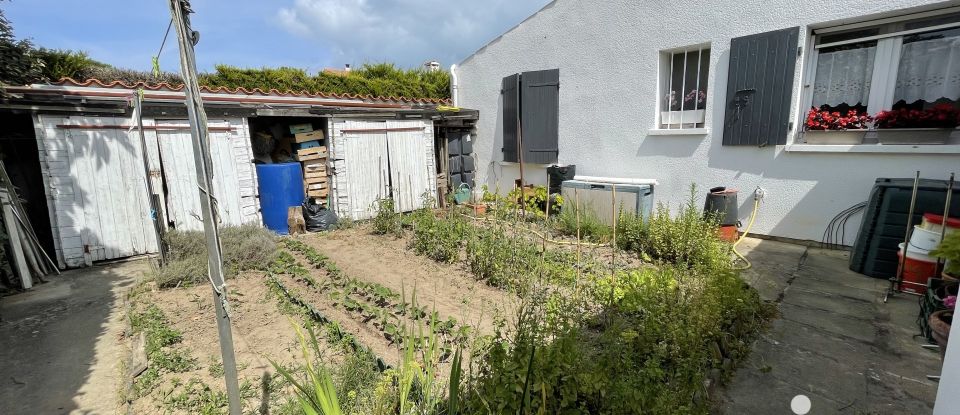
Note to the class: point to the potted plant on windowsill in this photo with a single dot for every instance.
(911, 126)
(949, 249)
(834, 127)
(691, 112)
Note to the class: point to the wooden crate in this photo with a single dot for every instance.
(309, 175)
(312, 153)
(316, 186)
(318, 193)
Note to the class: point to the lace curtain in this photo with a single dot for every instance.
(843, 76)
(929, 67)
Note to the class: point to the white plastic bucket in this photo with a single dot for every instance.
(924, 239)
(918, 254)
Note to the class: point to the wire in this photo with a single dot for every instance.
(156, 59)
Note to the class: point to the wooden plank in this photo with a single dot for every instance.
(316, 186)
(315, 175)
(312, 150)
(318, 193)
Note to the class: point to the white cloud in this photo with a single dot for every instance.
(406, 32)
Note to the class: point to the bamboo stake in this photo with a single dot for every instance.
(576, 195)
(613, 214)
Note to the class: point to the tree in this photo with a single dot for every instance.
(19, 62)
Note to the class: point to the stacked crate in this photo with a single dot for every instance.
(312, 155)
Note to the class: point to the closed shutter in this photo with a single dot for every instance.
(540, 115)
(510, 95)
(759, 88)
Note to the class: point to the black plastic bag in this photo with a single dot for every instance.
(318, 218)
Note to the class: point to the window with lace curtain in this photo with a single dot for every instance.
(901, 74)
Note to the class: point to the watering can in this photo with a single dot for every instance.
(462, 194)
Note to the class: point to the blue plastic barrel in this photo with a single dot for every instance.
(281, 186)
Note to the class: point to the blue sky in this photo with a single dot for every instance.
(309, 34)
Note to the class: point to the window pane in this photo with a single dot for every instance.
(843, 75)
(939, 20)
(929, 69)
(687, 85)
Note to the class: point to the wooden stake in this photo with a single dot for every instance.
(613, 212)
(576, 195)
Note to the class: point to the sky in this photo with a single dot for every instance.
(308, 34)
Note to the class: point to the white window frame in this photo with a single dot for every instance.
(665, 71)
(883, 81)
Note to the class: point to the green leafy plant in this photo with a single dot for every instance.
(949, 249)
(387, 221)
(316, 394)
(590, 225)
(438, 239)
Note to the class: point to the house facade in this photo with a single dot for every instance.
(718, 94)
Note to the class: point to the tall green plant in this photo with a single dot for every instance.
(317, 395)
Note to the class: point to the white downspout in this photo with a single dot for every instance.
(454, 86)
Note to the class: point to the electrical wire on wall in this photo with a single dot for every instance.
(836, 231)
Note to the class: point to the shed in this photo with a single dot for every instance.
(95, 167)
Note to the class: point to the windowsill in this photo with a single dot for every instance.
(678, 131)
(526, 163)
(875, 148)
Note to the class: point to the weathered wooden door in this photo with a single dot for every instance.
(97, 185)
(231, 185)
(411, 164)
(360, 166)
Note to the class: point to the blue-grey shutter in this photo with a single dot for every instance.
(511, 97)
(759, 88)
(540, 115)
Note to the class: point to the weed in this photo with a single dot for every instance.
(438, 239)
(160, 339)
(591, 227)
(387, 221)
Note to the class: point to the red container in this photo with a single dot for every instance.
(917, 269)
(729, 233)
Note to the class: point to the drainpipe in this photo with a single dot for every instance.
(454, 86)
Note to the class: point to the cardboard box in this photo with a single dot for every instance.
(301, 128)
(308, 136)
(314, 153)
(306, 144)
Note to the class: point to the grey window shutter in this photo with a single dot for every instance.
(759, 88)
(510, 95)
(540, 115)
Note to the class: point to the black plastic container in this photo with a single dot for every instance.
(558, 174)
(722, 202)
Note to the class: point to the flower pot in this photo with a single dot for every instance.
(682, 117)
(940, 322)
(834, 136)
(914, 135)
(478, 208)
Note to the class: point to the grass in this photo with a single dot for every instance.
(592, 229)
(246, 247)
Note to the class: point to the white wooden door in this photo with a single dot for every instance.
(363, 165)
(229, 179)
(377, 159)
(411, 166)
(97, 185)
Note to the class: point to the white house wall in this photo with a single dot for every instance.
(608, 54)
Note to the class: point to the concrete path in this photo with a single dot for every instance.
(835, 341)
(60, 346)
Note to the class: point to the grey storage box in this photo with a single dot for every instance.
(597, 197)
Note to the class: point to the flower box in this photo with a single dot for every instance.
(914, 135)
(682, 117)
(834, 136)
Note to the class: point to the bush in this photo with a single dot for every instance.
(688, 239)
(388, 221)
(438, 239)
(246, 247)
(59, 64)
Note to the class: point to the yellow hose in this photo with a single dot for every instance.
(753, 217)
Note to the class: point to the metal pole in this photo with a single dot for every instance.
(895, 281)
(523, 196)
(154, 208)
(180, 10)
(946, 213)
